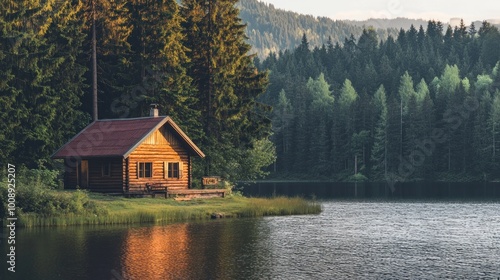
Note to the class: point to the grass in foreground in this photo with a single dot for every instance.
(108, 210)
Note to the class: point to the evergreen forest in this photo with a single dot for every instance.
(424, 105)
(67, 63)
(421, 103)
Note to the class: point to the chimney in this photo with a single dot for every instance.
(153, 112)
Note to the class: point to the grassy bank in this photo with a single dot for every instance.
(39, 202)
(108, 210)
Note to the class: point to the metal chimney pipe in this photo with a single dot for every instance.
(153, 111)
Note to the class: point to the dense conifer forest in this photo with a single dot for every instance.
(422, 105)
(408, 104)
(191, 58)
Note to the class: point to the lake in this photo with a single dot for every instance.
(369, 234)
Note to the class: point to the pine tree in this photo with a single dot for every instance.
(428, 125)
(281, 126)
(379, 150)
(108, 28)
(159, 61)
(406, 95)
(347, 119)
(482, 143)
(319, 124)
(222, 71)
(494, 124)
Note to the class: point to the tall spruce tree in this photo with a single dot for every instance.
(159, 61)
(379, 151)
(226, 81)
(108, 27)
(281, 127)
(319, 124)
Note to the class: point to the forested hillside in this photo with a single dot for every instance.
(422, 105)
(270, 29)
(175, 55)
(395, 23)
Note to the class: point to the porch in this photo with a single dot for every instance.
(163, 190)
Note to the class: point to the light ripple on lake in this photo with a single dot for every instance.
(388, 240)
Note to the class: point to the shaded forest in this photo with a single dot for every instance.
(424, 105)
(177, 55)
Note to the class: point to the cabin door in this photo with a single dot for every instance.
(84, 174)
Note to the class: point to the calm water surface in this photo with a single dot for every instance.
(349, 240)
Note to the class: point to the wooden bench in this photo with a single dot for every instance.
(156, 188)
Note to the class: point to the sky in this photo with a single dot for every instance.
(469, 10)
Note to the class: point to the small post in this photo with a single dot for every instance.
(153, 111)
(355, 164)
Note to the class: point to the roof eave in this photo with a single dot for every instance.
(186, 138)
(53, 156)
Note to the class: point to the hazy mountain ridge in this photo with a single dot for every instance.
(385, 23)
(271, 29)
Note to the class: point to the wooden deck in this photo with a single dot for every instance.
(178, 194)
(192, 193)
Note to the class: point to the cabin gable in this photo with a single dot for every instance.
(160, 152)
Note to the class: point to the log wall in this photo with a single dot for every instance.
(97, 182)
(111, 183)
(160, 147)
(70, 174)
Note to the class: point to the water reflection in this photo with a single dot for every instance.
(206, 250)
(348, 240)
(150, 253)
(407, 190)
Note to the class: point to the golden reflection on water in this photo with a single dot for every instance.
(156, 252)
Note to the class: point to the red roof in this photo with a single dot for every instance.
(117, 137)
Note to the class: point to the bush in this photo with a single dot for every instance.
(3, 200)
(35, 194)
(39, 177)
(358, 178)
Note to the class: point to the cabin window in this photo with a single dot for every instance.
(173, 170)
(145, 170)
(106, 169)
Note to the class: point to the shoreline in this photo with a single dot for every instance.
(119, 210)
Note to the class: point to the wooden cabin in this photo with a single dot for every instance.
(129, 155)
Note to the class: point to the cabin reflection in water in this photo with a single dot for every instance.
(176, 251)
(155, 252)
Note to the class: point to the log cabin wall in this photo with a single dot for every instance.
(112, 181)
(70, 174)
(161, 147)
(106, 174)
(125, 175)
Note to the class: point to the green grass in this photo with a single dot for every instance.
(107, 210)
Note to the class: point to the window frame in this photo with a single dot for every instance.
(170, 170)
(106, 166)
(142, 169)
